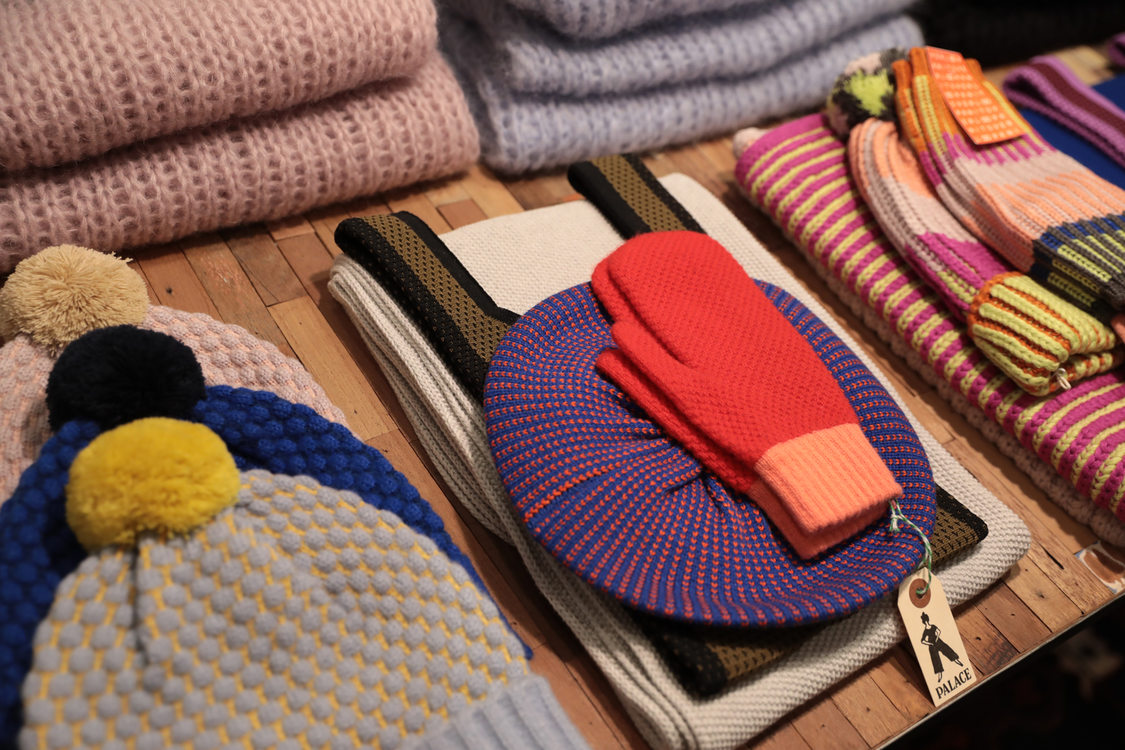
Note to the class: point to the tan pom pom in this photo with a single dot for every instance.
(59, 294)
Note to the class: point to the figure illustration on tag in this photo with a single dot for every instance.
(931, 636)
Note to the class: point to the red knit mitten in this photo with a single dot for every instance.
(702, 350)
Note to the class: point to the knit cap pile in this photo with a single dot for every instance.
(998, 265)
(127, 124)
(314, 596)
(554, 81)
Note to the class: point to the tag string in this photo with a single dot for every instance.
(897, 517)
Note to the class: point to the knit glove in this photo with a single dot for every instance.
(701, 350)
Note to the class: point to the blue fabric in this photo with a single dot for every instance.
(261, 430)
(609, 494)
(1076, 146)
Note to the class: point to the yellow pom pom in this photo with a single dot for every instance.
(153, 474)
(59, 294)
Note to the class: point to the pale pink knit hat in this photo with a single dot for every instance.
(59, 294)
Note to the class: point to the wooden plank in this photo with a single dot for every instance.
(1042, 596)
(293, 226)
(1015, 621)
(783, 736)
(174, 282)
(899, 678)
(537, 192)
(584, 713)
(595, 685)
(263, 263)
(152, 298)
(720, 154)
(308, 253)
(988, 650)
(460, 213)
(331, 366)
(867, 709)
(445, 191)
(999, 473)
(420, 206)
(324, 220)
(489, 193)
(229, 288)
(822, 725)
(310, 261)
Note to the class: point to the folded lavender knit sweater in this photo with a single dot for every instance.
(81, 78)
(597, 19)
(522, 132)
(359, 142)
(532, 58)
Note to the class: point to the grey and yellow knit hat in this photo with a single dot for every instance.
(221, 608)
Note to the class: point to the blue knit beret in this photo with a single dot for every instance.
(631, 512)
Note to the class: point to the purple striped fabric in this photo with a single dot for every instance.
(798, 175)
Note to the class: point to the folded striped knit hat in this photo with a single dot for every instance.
(115, 375)
(1041, 341)
(1069, 442)
(63, 292)
(617, 500)
(259, 609)
(1044, 212)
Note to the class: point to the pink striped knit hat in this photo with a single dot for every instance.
(57, 295)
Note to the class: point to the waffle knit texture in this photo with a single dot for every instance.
(1006, 31)
(359, 142)
(81, 80)
(523, 131)
(624, 505)
(761, 411)
(735, 44)
(1045, 213)
(567, 242)
(705, 659)
(228, 354)
(1071, 443)
(260, 430)
(1033, 336)
(300, 615)
(596, 19)
(1048, 86)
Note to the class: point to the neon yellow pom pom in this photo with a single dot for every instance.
(155, 474)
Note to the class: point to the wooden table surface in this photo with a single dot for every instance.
(271, 279)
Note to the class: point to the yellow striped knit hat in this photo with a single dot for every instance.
(259, 610)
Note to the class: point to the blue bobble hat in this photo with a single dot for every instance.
(112, 376)
(249, 609)
(630, 511)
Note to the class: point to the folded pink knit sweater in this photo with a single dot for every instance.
(80, 78)
(356, 143)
